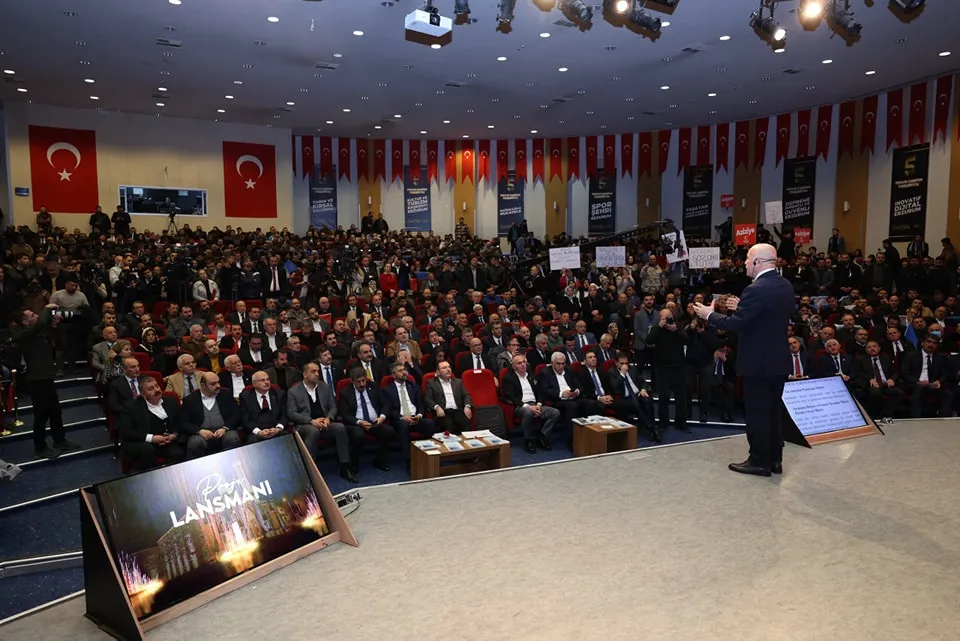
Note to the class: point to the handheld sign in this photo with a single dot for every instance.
(745, 235)
(704, 257)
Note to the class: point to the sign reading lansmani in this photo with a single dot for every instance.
(217, 495)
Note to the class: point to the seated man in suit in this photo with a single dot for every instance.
(474, 359)
(925, 374)
(187, 380)
(540, 353)
(896, 347)
(212, 359)
(166, 361)
(255, 353)
(373, 369)
(560, 387)
(296, 357)
(833, 362)
(581, 336)
(875, 383)
(403, 342)
(521, 390)
(233, 378)
(626, 384)
(263, 410)
(312, 410)
(573, 353)
(799, 360)
(239, 315)
(596, 398)
(504, 360)
(194, 341)
(449, 400)
(234, 340)
(280, 372)
(253, 324)
(331, 372)
(149, 428)
(605, 350)
(273, 339)
(359, 405)
(100, 355)
(210, 419)
(124, 389)
(404, 408)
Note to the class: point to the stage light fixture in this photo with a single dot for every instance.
(619, 7)
(811, 10)
(908, 6)
(767, 27)
(841, 19)
(645, 20)
(461, 8)
(577, 9)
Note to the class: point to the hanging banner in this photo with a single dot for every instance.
(683, 157)
(908, 192)
(573, 159)
(760, 126)
(416, 200)
(723, 146)
(784, 122)
(323, 199)
(663, 140)
(509, 202)
(799, 187)
(602, 203)
(697, 201)
(941, 114)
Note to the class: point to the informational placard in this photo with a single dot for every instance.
(697, 201)
(704, 258)
(564, 258)
(611, 256)
(799, 189)
(908, 192)
(773, 212)
(822, 405)
(802, 235)
(679, 247)
(416, 200)
(509, 202)
(602, 204)
(323, 198)
(745, 235)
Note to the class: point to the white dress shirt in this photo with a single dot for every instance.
(450, 403)
(158, 411)
(562, 382)
(924, 372)
(527, 396)
(237, 384)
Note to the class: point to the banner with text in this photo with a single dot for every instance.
(509, 202)
(704, 258)
(611, 256)
(602, 204)
(416, 201)
(697, 201)
(799, 187)
(908, 192)
(323, 199)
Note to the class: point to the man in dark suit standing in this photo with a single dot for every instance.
(760, 318)
(560, 387)
(149, 428)
(263, 410)
(918, 248)
(925, 373)
(875, 383)
(360, 405)
(210, 419)
(449, 400)
(404, 408)
(668, 342)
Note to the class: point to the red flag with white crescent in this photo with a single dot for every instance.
(803, 132)
(703, 145)
(784, 122)
(824, 130)
(686, 142)
(343, 166)
(918, 114)
(363, 159)
(848, 112)
(868, 124)
(573, 158)
(433, 160)
(396, 160)
(538, 159)
(723, 147)
(450, 160)
(293, 158)
(379, 159)
(503, 151)
(520, 158)
(249, 180)
(741, 147)
(663, 142)
(483, 160)
(63, 169)
(413, 159)
(591, 155)
(467, 160)
(645, 154)
(626, 155)
(941, 110)
(555, 148)
(894, 118)
(610, 154)
(306, 155)
(760, 128)
(326, 156)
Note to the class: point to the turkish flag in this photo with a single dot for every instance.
(363, 159)
(663, 142)
(555, 147)
(824, 129)
(760, 128)
(503, 150)
(520, 158)
(894, 118)
(293, 158)
(941, 113)
(467, 160)
(723, 146)
(591, 152)
(433, 159)
(343, 167)
(326, 156)
(413, 156)
(379, 159)
(450, 160)
(626, 154)
(396, 160)
(645, 154)
(918, 114)
(703, 145)
(848, 112)
(868, 125)
(610, 154)
(483, 160)
(783, 137)
(306, 155)
(63, 165)
(741, 148)
(573, 158)
(249, 180)
(538, 159)
(683, 158)
(803, 133)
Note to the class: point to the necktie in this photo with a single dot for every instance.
(276, 282)
(133, 388)
(606, 357)
(189, 385)
(596, 383)
(255, 326)
(629, 384)
(796, 365)
(580, 340)
(896, 349)
(479, 364)
(206, 287)
(930, 367)
(877, 374)
(264, 403)
(718, 369)
(369, 372)
(328, 377)
(405, 401)
(836, 360)
(363, 406)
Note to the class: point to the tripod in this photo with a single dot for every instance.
(172, 225)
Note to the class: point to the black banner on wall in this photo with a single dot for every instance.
(602, 204)
(799, 189)
(509, 202)
(323, 199)
(697, 201)
(908, 192)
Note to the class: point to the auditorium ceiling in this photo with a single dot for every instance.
(308, 71)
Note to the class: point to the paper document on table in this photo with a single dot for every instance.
(453, 446)
(495, 440)
(426, 445)
(477, 434)
(474, 443)
(436, 451)
(443, 438)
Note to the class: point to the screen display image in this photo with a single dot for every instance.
(180, 530)
(163, 200)
(822, 405)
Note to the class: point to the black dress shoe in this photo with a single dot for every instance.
(704, 418)
(777, 468)
(529, 447)
(354, 465)
(747, 468)
(381, 465)
(347, 474)
(48, 452)
(544, 444)
(654, 436)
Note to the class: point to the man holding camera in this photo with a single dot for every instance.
(668, 361)
(70, 332)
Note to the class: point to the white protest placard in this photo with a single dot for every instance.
(704, 257)
(611, 256)
(564, 258)
(679, 247)
(773, 212)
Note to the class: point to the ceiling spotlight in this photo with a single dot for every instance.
(490, 126)
(617, 6)
(505, 10)
(446, 122)
(238, 82)
(501, 58)
(436, 45)
(828, 61)
(9, 72)
(397, 116)
(228, 97)
(290, 103)
(346, 110)
(175, 2)
(872, 72)
(724, 38)
(94, 97)
(221, 111)
(544, 35)
(562, 70)
(423, 132)
(161, 88)
(21, 90)
(465, 136)
(160, 104)
(533, 131)
(840, 19)
(377, 127)
(944, 54)
(358, 33)
(645, 20)
(768, 28)
(811, 9)
(577, 9)
(907, 6)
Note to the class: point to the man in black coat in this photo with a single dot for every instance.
(124, 389)
(149, 428)
(627, 386)
(522, 390)
(474, 359)
(875, 383)
(359, 404)
(210, 419)
(263, 410)
(560, 387)
(404, 408)
(668, 363)
(833, 363)
(925, 374)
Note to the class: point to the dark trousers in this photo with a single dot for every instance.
(920, 392)
(705, 391)
(384, 434)
(453, 421)
(403, 429)
(46, 408)
(883, 401)
(145, 456)
(197, 446)
(671, 379)
(569, 409)
(764, 409)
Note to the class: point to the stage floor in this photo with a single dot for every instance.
(858, 540)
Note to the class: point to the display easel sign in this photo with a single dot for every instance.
(821, 410)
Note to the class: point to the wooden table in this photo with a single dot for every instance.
(593, 438)
(424, 465)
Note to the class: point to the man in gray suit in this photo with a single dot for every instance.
(644, 318)
(312, 409)
(100, 353)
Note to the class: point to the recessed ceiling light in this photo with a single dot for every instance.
(86, 62)
(944, 54)
(247, 65)
(470, 111)
(346, 110)
(276, 115)
(723, 38)
(80, 43)
(160, 104)
(664, 87)
(423, 132)
(358, 33)
(665, 23)
(516, 117)
(377, 127)
(581, 92)
(610, 48)
(446, 122)
(533, 131)
(175, 2)
(616, 78)
(238, 82)
(780, 50)
(167, 54)
(397, 116)
(828, 61)
(94, 97)
(329, 122)
(228, 97)
(436, 45)
(89, 81)
(338, 55)
(466, 135)
(260, 43)
(753, 101)
(416, 104)
(494, 100)
(562, 69)
(290, 103)
(221, 111)
(712, 94)
(9, 72)
(544, 106)
(304, 90)
(810, 87)
(490, 126)
(590, 113)
(545, 35)
(603, 126)
(501, 58)
(870, 73)
(713, 111)
(161, 88)
(21, 90)
(273, 19)
(673, 106)
(629, 117)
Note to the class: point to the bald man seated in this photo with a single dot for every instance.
(210, 419)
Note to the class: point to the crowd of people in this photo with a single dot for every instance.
(204, 340)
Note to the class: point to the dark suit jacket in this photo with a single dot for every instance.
(863, 370)
(378, 367)
(391, 400)
(534, 358)
(266, 357)
(587, 388)
(467, 361)
(826, 366)
(227, 342)
(205, 362)
(805, 364)
(248, 327)
(226, 381)
(575, 357)
(619, 388)
(588, 336)
(761, 321)
(266, 279)
(191, 412)
(911, 367)
(434, 394)
(280, 338)
(298, 403)
(612, 353)
(234, 318)
(293, 376)
(347, 403)
(251, 414)
(513, 392)
(119, 394)
(136, 421)
(549, 386)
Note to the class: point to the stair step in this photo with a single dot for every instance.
(35, 482)
(92, 437)
(33, 590)
(74, 417)
(45, 528)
